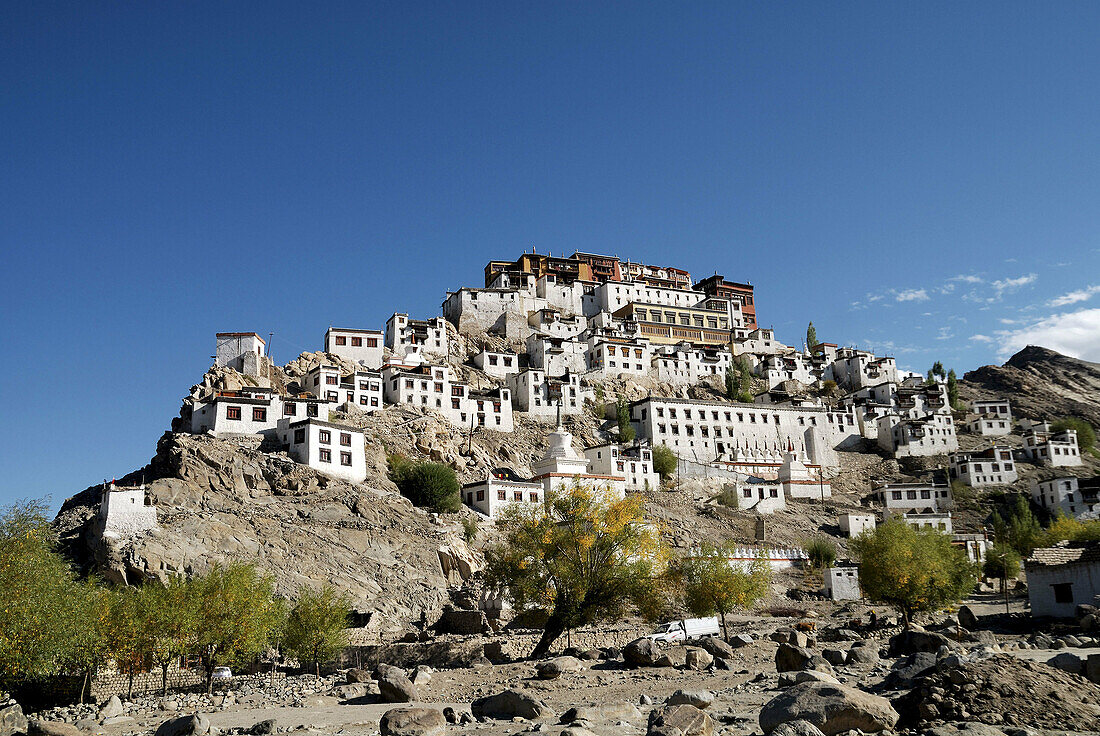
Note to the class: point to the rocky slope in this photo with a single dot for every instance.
(1041, 384)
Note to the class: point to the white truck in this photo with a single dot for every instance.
(686, 628)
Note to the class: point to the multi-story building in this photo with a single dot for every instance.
(427, 336)
(556, 355)
(666, 276)
(633, 463)
(740, 293)
(1047, 447)
(1069, 495)
(500, 489)
(685, 364)
(705, 431)
(359, 346)
(497, 363)
(990, 467)
(938, 520)
(919, 497)
(990, 418)
(611, 357)
(333, 449)
(539, 265)
(539, 395)
(250, 410)
(124, 512)
(433, 387)
(603, 268)
(707, 324)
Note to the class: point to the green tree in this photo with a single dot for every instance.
(427, 484)
(582, 557)
(172, 616)
(744, 387)
(626, 429)
(811, 337)
(913, 569)
(733, 384)
(128, 634)
(937, 370)
(237, 617)
(1017, 526)
(953, 391)
(713, 585)
(821, 552)
(664, 462)
(317, 626)
(47, 619)
(1086, 435)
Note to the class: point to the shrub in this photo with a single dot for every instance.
(316, 629)
(622, 413)
(431, 485)
(822, 552)
(469, 529)
(712, 585)
(965, 496)
(729, 498)
(1086, 435)
(664, 461)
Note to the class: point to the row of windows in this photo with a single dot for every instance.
(325, 456)
(532, 496)
(357, 342)
(771, 492)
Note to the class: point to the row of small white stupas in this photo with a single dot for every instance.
(574, 322)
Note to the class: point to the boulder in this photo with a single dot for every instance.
(412, 722)
(866, 655)
(36, 727)
(353, 692)
(907, 671)
(967, 619)
(263, 728)
(12, 720)
(918, 640)
(552, 669)
(788, 679)
(591, 655)
(665, 660)
(1092, 669)
(422, 675)
(112, 721)
(510, 704)
(716, 647)
(196, 725)
(641, 653)
(741, 640)
(832, 708)
(698, 659)
(113, 707)
(701, 699)
(687, 720)
(797, 728)
(1067, 662)
(601, 713)
(394, 686)
(355, 675)
(835, 657)
(789, 658)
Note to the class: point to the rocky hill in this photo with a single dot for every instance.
(1041, 384)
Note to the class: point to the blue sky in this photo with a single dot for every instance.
(917, 178)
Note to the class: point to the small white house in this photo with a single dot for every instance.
(562, 465)
(426, 336)
(538, 394)
(760, 495)
(363, 390)
(1061, 577)
(240, 351)
(359, 346)
(1054, 449)
(990, 467)
(842, 583)
(333, 449)
(635, 464)
(125, 511)
(855, 524)
(500, 489)
(497, 364)
(991, 418)
(913, 497)
(1076, 497)
(920, 519)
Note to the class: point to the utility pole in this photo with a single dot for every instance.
(470, 441)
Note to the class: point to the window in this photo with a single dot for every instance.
(290, 410)
(325, 456)
(517, 495)
(341, 340)
(311, 410)
(345, 439)
(299, 436)
(502, 495)
(324, 437)
(332, 396)
(363, 400)
(233, 412)
(357, 342)
(345, 459)
(331, 380)
(1063, 592)
(534, 496)
(259, 414)
(481, 495)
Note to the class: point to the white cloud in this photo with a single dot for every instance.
(967, 278)
(874, 297)
(945, 334)
(1081, 295)
(1073, 333)
(912, 295)
(1002, 285)
(982, 338)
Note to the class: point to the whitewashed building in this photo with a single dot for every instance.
(612, 357)
(428, 335)
(562, 465)
(761, 495)
(433, 387)
(500, 489)
(358, 346)
(842, 583)
(538, 395)
(496, 363)
(1061, 577)
(250, 410)
(241, 351)
(1047, 447)
(334, 449)
(991, 467)
(124, 512)
(855, 524)
(938, 520)
(923, 497)
(1069, 495)
(556, 356)
(633, 463)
